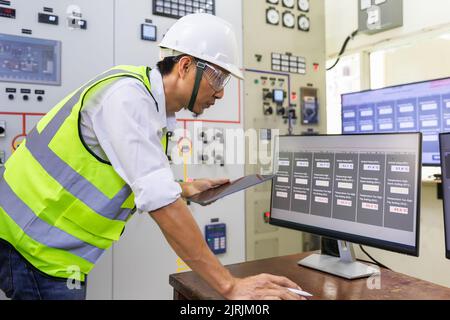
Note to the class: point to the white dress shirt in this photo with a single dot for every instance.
(121, 124)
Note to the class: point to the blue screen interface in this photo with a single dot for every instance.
(423, 106)
(30, 60)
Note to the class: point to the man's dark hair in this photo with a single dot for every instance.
(166, 65)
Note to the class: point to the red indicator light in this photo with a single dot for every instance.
(266, 217)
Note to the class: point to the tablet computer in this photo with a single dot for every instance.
(209, 196)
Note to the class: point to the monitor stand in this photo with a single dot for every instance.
(344, 266)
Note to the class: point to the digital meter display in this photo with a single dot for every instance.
(278, 96)
(7, 12)
(148, 32)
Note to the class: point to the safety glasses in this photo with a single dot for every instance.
(216, 78)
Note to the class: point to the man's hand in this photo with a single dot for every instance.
(263, 287)
(192, 188)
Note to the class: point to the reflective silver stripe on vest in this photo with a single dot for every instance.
(72, 181)
(76, 184)
(41, 231)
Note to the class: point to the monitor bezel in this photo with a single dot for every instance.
(446, 221)
(376, 243)
(389, 87)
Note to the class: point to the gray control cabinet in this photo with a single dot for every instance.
(379, 15)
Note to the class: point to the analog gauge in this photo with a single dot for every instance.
(289, 3)
(272, 16)
(273, 1)
(288, 20)
(303, 23)
(303, 5)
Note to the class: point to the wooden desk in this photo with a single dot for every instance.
(394, 286)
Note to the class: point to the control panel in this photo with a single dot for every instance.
(284, 92)
(216, 237)
(379, 15)
(198, 149)
(46, 53)
(211, 146)
(48, 48)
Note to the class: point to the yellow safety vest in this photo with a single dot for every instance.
(61, 206)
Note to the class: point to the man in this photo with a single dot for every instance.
(68, 190)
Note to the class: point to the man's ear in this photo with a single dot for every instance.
(184, 65)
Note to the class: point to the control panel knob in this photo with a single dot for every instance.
(268, 95)
(11, 96)
(293, 114)
(204, 137)
(219, 159)
(219, 137)
(268, 111)
(39, 98)
(25, 97)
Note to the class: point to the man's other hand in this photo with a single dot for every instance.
(190, 189)
(263, 287)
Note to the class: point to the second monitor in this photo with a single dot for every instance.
(444, 139)
(358, 188)
(421, 106)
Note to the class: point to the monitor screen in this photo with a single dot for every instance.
(358, 188)
(30, 60)
(422, 106)
(445, 167)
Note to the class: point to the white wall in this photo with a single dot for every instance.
(342, 19)
(418, 60)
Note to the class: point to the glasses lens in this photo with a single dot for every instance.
(217, 78)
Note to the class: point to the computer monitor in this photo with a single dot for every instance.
(422, 106)
(444, 139)
(361, 189)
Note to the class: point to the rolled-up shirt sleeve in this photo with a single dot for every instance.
(155, 190)
(128, 128)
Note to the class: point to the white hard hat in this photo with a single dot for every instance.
(206, 37)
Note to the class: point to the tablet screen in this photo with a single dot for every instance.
(211, 195)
